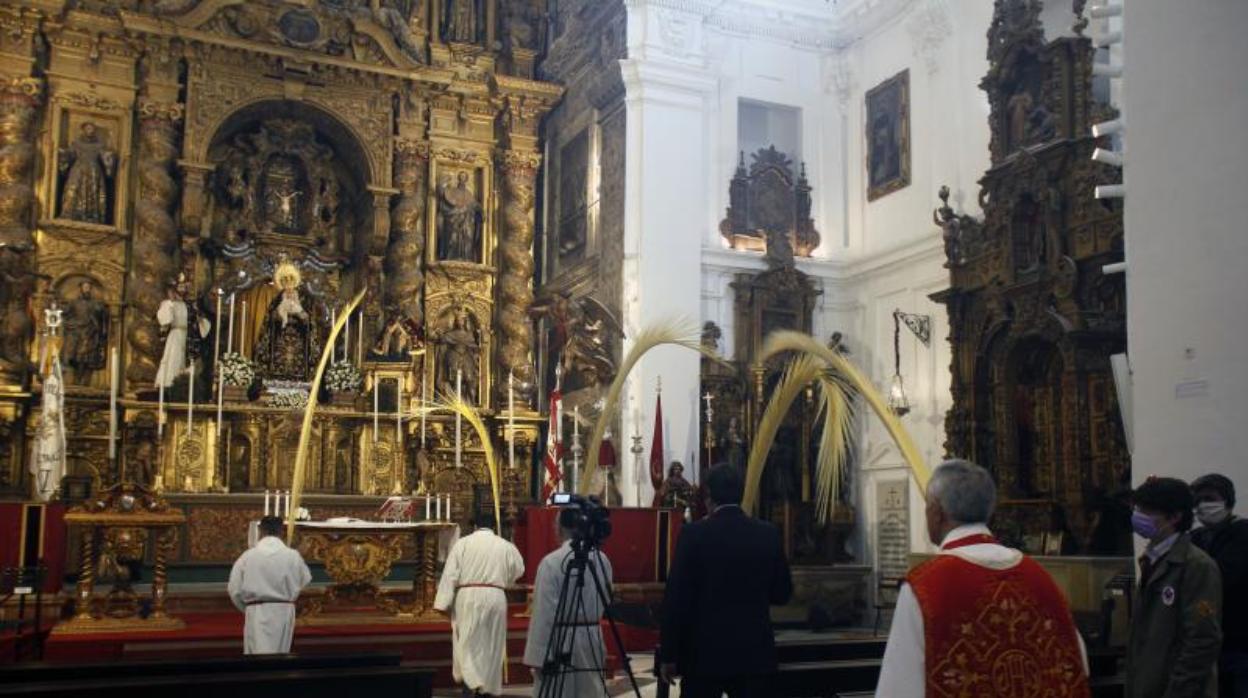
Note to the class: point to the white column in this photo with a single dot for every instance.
(668, 165)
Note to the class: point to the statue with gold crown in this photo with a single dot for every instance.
(289, 344)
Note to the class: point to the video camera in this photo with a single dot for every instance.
(593, 521)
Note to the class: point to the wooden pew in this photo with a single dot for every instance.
(52, 672)
(397, 681)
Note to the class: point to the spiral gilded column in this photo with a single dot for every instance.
(515, 281)
(155, 236)
(19, 104)
(405, 278)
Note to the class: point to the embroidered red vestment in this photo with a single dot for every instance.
(996, 633)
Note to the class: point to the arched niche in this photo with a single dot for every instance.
(290, 174)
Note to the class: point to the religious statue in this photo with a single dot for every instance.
(460, 25)
(459, 220)
(460, 357)
(88, 167)
(327, 204)
(282, 204)
(285, 349)
(711, 335)
(183, 330)
(585, 332)
(734, 444)
(1018, 110)
(142, 466)
(676, 492)
(951, 229)
(399, 338)
(519, 25)
(86, 333)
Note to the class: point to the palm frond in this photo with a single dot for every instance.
(676, 332)
(798, 373)
(804, 344)
(455, 404)
(305, 433)
(834, 443)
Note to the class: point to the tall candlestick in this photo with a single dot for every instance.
(229, 342)
(424, 406)
(346, 339)
(190, 399)
(376, 406)
(511, 420)
(113, 378)
(242, 331)
(459, 380)
(216, 334)
(398, 414)
(160, 409)
(333, 320)
(266, 502)
(359, 342)
(438, 511)
(428, 505)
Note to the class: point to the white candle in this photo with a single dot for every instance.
(287, 504)
(398, 415)
(359, 344)
(113, 378)
(424, 405)
(439, 509)
(160, 410)
(346, 339)
(229, 342)
(333, 320)
(428, 506)
(459, 379)
(266, 502)
(376, 407)
(190, 399)
(447, 510)
(511, 420)
(216, 334)
(242, 330)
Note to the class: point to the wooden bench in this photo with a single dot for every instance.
(42, 672)
(394, 681)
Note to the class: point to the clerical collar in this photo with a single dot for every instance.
(976, 529)
(722, 507)
(1156, 551)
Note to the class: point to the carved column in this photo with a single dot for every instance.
(405, 278)
(515, 281)
(19, 103)
(155, 236)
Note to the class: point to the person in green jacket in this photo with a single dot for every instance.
(1176, 632)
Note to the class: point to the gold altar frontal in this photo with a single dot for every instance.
(358, 557)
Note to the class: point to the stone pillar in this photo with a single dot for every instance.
(155, 237)
(515, 281)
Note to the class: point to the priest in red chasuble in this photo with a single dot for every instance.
(979, 619)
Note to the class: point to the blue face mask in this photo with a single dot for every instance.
(1144, 525)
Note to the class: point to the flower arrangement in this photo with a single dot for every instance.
(237, 371)
(343, 377)
(288, 399)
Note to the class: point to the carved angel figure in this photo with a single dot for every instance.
(88, 166)
(585, 331)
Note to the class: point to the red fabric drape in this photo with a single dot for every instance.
(656, 446)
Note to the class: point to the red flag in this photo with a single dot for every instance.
(554, 448)
(656, 446)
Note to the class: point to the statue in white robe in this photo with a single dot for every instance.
(174, 317)
(478, 570)
(583, 639)
(265, 584)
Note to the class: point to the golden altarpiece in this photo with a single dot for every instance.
(1033, 318)
(203, 185)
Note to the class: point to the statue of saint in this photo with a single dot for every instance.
(461, 22)
(283, 198)
(676, 492)
(286, 348)
(86, 333)
(459, 220)
(88, 166)
(460, 357)
(183, 329)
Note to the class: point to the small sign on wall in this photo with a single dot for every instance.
(892, 531)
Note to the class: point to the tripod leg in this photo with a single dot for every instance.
(548, 678)
(605, 600)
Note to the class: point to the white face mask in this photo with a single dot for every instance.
(1211, 513)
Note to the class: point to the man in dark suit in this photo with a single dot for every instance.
(728, 570)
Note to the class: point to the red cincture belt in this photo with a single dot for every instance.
(261, 603)
(976, 539)
(479, 586)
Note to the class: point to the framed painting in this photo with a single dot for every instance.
(888, 136)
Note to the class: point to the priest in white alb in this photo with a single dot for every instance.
(265, 584)
(478, 570)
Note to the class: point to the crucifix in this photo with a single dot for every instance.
(708, 439)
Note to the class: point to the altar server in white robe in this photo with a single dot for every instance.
(478, 570)
(582, 633)
(265, 584)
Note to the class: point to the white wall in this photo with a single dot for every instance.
(1185, 110)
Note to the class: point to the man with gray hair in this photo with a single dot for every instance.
(978, 618)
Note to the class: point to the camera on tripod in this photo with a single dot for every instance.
(593, 521)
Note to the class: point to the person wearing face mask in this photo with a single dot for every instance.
(1176, 621)
(1225, 537)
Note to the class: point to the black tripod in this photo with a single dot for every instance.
(570, 618)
